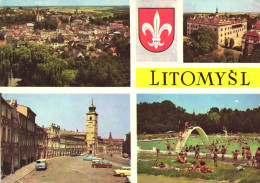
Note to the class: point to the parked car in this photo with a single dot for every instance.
(89, 158)
(128, 179)
(123, 171)
(101, 164)
(96, 160)
(41, 164)
(73, 154)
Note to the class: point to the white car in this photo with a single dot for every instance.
(96, 160)
(123, 171)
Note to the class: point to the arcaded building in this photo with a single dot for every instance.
(225, 27)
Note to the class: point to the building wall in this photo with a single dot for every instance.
(91, 127)
(223, 31)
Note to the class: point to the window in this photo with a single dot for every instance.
(4, 134)
(90, 118)
(9, 135)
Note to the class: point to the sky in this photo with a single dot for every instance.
(222, 5)
(201, 103)
(64, 3)
(69, 111)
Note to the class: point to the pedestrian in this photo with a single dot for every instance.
(168, 145)
(223, 152)
(215, 157)
(243, 154)
(235, 155)
(111, 155)
(248, 156)
(253, 161)
(197, 152)
(180, 135)
(257, 157)
(157, 151)
(186, 126)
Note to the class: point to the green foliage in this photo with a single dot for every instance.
(254, 57)
(47, 24)
(230, 56)
(206, 38)
(226, 43)
(122, 46)
(231, 43)
(161, 117)
(37, 66)
(17, 18)
(104, 71)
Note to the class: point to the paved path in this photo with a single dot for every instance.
(67, 169)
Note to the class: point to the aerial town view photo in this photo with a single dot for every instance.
(64, 43)
(65, 138)
(221, 31)
(198, 138)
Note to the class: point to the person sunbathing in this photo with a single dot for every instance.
(204, 168)
(181, 159)
(155, 163)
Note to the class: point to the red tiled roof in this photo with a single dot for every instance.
(215, 20)
(251, 36)
(257, 25)
(93, 54)
(99, 36)
(115, 24)
(113, 49)
(102, 28)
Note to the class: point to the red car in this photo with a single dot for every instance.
(102, 164)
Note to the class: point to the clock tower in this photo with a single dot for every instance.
(92, 129)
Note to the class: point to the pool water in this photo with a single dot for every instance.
(252, 143)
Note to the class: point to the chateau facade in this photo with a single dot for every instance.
(225, 27)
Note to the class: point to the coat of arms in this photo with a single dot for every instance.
(156, 28)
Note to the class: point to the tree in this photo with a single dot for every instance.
(226, 43)
(231, 43)
(207, 39)
(245, 51)
(230, 56)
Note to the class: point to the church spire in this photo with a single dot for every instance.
(38, 13)
(110, 135)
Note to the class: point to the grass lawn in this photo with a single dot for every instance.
(224, 172)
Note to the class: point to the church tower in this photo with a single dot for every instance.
(92, 129)
(39, 18)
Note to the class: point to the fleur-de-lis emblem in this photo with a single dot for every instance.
(156, 31)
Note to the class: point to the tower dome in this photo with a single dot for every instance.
(92, 108)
